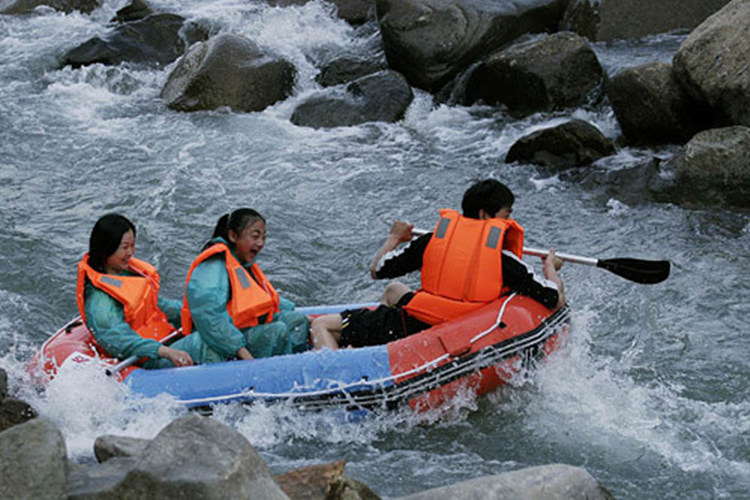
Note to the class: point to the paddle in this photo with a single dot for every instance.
(646, 272)
(134, 359)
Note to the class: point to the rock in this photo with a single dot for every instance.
(712, 63)
(324, 482)
(574, 143)
(616, 19)
(155, 40)
(3, 384)
(431, 41)
(106, 447)
(67, 6)
(543, 74)
(13, 412)
(228, 70)
(652, 108)
(714, 166)
(354, 12)
(33, 461)
(134, 11)
(548, 482)
(382, 96)
(193, 456)
(345, 70)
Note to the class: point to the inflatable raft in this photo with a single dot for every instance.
(477, 352)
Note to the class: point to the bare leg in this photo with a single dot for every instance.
(393, 293)
(325, 331)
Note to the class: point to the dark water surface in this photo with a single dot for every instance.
(650, 394)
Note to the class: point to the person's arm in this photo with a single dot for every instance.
(400, 233)
(401, 260)
(207, 294)
(549, 268)
(521, 278)
(172, 309)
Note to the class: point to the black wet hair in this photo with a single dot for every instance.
(106, 237)
(236, 221)
(489, 195)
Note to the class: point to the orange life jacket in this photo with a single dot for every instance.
(250, 300)
(137, 294)
(462, 266)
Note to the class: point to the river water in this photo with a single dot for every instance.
(650, 392)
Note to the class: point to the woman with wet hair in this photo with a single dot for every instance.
(118, 299)
(231, 301)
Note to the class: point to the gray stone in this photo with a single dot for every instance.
(228, 70)
(621, 19)
(652, 108)
(714, 166)
(713, 65)
(545, 482)
(382, 96)
(157, 39)
(107, 447)
(346, 69)
(325, 481)
(544, 74)
(33, 461)
(67, 6)
(134, 11)
(13, 412)
(572, 144)
(431, 41)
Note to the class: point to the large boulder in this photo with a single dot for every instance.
(621, 19)
(228, 70)
(195, 457)
(712, 63)
(382, 96)
(544, 74)
(347, 69)
(652, 108)
(572, 144)
(548, 482)
(157, 39)
(714, 166)
(27, 6)
(431, 41)
(33, 461)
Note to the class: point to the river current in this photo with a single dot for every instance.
(650, 392)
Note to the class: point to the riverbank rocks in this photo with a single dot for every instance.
(382, 96)
(543, 74)
(556, 481)
(714, 166)
(157, 39)
(652, 108)
(605, 20)
(431, 41)
(33, 461)
(28, 6)
(572, 144)
(228, 70)
(712, 63)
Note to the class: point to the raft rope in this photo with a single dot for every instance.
(342, 388)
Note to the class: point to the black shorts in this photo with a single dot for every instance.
(363, 327)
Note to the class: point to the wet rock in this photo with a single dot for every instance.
(13, 412)
(572, 144)
(228, 70)
(652, 108)
(134, 11)
(712, 63)
(67, 6)
(547, 73)
(157, 39)
(715, 166)
(383, 96)
(33, 461)
(3, 384)
(550, 482)
(107, 447)
(616, 19)
(324, 482)
(345, 70)
(431, 41)
(193, 456)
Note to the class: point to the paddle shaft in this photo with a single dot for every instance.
(134, 359)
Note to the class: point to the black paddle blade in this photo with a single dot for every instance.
(647, 272)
